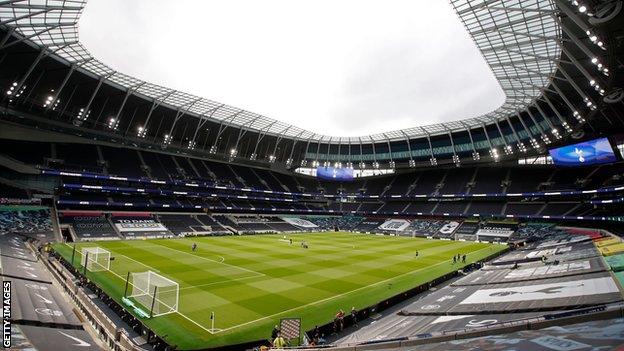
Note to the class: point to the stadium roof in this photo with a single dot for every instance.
(519, 39)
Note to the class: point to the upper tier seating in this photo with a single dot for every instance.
(489, 180)
(527, 180)
(428, 181)
(26, 151)
(456, 181)
(82, 158)
(130, 164)
(401, 184)
(249, 177)
(126, 162)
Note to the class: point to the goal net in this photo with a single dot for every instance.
(95, 259)
(157, 294)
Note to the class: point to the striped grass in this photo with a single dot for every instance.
(250, 282)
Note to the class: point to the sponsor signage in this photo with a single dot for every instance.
(138, 225)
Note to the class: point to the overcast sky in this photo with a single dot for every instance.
(341, 68)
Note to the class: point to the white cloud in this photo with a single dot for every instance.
(343, 68)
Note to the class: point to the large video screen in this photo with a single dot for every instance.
(590, 152)
(336, 174)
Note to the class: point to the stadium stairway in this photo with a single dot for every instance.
(443, 311)
(56, 227)
(42, 318)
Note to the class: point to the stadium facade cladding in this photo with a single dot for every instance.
(551, 59)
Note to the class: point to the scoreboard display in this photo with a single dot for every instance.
(335, 174)
(591, 152)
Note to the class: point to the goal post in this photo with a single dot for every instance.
(95, 259)
(158, 295)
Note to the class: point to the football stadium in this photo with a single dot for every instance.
(445, 175)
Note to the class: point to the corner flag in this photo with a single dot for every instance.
(212, 318)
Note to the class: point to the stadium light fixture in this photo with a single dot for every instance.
(433, 161)
(233, 152)
(589, 103)
(289, 162)
(11, 88)
(167, 140)
(362, 165)
(50, 99)
(315, 164)
(494, 154)
(456, 160)
(600, 66)
(10, 93)
(392, 164)
(141, 132)
(191, 145)
(253, 156)
(545, 139)
(304, 163)
(82, 114)
(534, 144)
(521, 147)
(213, 149)
(595, 39)
(113, 123)
(376, 165)
(476, 156)
(508, 150)
(412, 163)
(596, 86)
(272, 158)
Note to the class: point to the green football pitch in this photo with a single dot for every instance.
(251, 282)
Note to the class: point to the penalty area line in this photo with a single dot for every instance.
(218, 282)
(178, 312)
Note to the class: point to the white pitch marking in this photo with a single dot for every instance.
(208, 259)
(178, 312)
(340, 295)
(292, 309)
(217, 282)
(141, 263)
